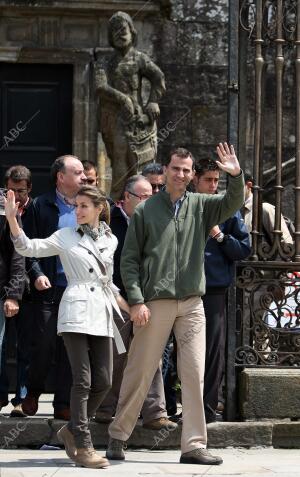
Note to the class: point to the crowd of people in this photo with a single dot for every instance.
(108, 291)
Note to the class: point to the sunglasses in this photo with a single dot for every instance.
(157, 186)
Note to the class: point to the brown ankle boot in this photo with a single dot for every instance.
(87, 457)
(67, 439)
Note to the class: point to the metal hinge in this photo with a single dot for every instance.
(233, 86)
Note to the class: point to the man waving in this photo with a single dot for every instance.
(162, 268)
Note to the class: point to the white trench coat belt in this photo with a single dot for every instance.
(110, 299)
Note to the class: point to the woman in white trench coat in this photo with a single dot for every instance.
(85, 312)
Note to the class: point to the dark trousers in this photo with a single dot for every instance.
(23, 328)
(169, 371)
(214, 307)
(47, 348)
(154, 406)
(91, 359)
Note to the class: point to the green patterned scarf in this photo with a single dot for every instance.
(95, 232)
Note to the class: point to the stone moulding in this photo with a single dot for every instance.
(81, 6)
(45, 55)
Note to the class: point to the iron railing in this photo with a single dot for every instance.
(264, 305)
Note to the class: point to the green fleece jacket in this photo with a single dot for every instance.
(163, 256)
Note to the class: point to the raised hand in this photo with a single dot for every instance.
(228, 160)
(11, 207)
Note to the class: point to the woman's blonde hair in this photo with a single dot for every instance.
(98, 198)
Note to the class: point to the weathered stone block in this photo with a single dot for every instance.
(287, 435)
(269, 393)
(140, 437)
(16, 32)
(240, 434)
(175, 127)
(79, 32)
(201, 43)
(209, 124)
(205, 10)
(17, 432)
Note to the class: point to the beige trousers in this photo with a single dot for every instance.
(187, 319)
(154, 406)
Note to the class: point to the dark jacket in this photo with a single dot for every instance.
(220, 257)
(119, 226)
(41, 221)
(12, 265)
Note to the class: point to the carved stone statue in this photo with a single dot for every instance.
(127, 125)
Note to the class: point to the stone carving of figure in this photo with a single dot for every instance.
(127, 125)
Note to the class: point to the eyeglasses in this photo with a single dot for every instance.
(89, 181)
(17, 191)
(157, 186)
(141, 197)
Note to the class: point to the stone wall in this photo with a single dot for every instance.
(192, 51)
(188, 40)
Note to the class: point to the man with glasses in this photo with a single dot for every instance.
(12, 277)
(155, 175)
(137, 190)
(18, 179)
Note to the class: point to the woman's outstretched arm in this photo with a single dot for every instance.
(11, 209)
(46, 247)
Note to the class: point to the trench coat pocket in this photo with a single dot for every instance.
(73, 310)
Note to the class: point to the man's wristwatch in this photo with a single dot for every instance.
(220, 237)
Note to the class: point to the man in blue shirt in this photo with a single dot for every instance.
(228, 242)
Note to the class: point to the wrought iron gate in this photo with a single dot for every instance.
(264, 120)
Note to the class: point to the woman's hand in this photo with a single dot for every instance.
(11, 207)
(123, 304)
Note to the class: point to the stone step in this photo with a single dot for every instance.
(35, 432)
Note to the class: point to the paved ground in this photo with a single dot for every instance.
(237, 462)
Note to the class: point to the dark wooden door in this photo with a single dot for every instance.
(35, 128)
(36, 118)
